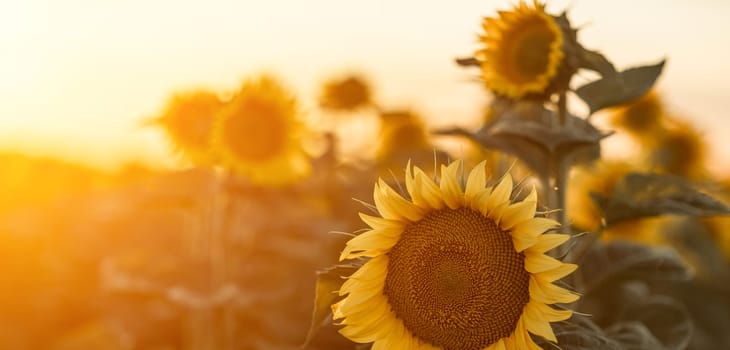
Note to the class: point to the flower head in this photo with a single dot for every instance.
(641, 118)
(523, 50)
(349, 93)
(453, 267)
(403, 136)
(188, 121)
(259, 134)
(680, 150)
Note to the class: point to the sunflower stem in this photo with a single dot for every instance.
(563, 108)
(560, 170)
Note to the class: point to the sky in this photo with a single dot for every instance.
(77, 77)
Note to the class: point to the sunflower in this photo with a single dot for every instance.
(348, 93)
(402, 137)
(188, 121)
(453, 268)
(641, 118)
(258, 135)
(680, 150)
(602, 178)
(523, 50)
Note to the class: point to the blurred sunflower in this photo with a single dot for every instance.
(679, 150)
(641, 118)
(188, 121)
(523, 50)
(602, 178)
(403, 137)
(719, 229)
(349, 93)
(259, 134)
(453, 268)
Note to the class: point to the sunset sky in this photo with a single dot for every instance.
(78, 76)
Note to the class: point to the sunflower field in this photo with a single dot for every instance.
(272, 233)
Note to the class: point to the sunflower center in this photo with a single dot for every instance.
(456, 281)
(528, 50)
(256, 131)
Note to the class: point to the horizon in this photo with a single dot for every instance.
(79, 80)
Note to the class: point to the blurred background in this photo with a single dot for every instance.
(111, 240)
(79, 75)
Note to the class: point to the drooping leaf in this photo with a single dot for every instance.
(595, 61)
(329, 281)
(532, 133)
(709, 307)
(634, 335)
(580, 333)
(616, 89)
(617, 261)
(645, 195)
(665, 319)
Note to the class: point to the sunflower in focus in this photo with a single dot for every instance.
(453, 267)
(259, 134)
(523, 50)
(188, 120)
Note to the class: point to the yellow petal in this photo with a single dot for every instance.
(403, 206)
(355, 334)
(519, 212)
(373, 242)
(510, 343)
(450, 188)
(522, 338)
(557, 273)
(414, 190)
(393, 206)
(549, 241)
(522, 243)
(476, 182)
(481, 200)
(552, 314)
(548, 293)
(380, 223)
(430, 191)
(373, 270)
(538, 262)
(534, 227)
(536, 322)
(500, 195)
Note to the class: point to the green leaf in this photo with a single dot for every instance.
(580, 333)
(709, 307)
(595, 61)
(645, 195)
(532, 133)
(634, 335)
(611, 263)
(617, 89)
(329, 282)
(665, 319)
